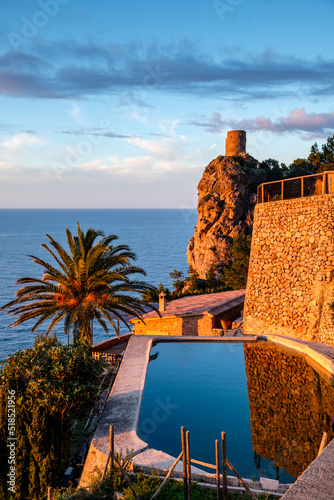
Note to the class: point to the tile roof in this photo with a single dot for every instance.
(211, 303)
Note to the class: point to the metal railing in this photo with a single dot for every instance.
(297, 187)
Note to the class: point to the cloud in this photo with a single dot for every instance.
(24, 139)
(75, 112)
(96, 131)
(67, 70)
(167, 148)
(298, 120)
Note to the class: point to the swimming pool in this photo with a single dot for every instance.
(271, 403)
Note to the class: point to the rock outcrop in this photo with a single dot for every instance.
(226, 202)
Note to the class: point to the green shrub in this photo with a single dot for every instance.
(53, 385)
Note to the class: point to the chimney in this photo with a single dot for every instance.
(162, 302)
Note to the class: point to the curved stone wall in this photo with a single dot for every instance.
(290, 279)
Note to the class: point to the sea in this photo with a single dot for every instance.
(159, 238)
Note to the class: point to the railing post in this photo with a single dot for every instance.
(302, 187)
(326, 183)
(282, 190)
(262, 193)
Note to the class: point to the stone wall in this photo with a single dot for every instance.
(291, 405)
(158, 326)
(290, 278)
(180, 326)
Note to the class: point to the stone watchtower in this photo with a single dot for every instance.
(235, 143)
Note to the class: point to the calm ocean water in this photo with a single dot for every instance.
(158, 237)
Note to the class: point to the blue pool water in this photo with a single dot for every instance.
(202, 386)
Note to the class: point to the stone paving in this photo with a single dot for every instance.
(317, 482)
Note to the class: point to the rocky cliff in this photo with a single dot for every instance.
(226, 202)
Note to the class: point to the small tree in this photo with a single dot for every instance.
(193, 279)
(235, 276)
(152, 295)
(211, 281)
(178, 282)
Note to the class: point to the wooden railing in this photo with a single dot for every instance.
(297, 187)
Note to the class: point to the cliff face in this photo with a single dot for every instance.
(226, 202)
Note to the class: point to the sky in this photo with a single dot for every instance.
(122, 104)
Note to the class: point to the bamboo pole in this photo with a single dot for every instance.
(202, 463)
(224, 466)
(167, 477)
(49, 493)
(217, 470)
(126, 478)
(106, 467)
(241, 480)
(184, 461)
(111, 447)
(188, 464)
(323, 443)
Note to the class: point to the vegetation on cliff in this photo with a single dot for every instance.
(49, 386)
(92, 281)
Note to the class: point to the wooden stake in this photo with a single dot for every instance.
(126, 478)
(217, 470)
(184, 460)
(111, 446)
(323, 443)
(224, 466)
(241, 480)
(188, 465)
(49, 493)
(167, 477)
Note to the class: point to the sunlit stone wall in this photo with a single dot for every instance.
(291, 405)
(200, 324)
(290, 280)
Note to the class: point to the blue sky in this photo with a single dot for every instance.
(122, 104)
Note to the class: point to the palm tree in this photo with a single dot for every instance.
(92, 281)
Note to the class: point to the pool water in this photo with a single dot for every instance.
(205, 387)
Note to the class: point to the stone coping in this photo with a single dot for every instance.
(124, 401)
(322, 354)
(123, 405)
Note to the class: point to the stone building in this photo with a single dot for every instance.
(195, 315)
(235, 143)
